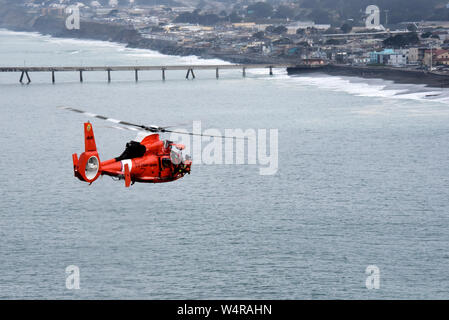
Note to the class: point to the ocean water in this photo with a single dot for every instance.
(363, 180)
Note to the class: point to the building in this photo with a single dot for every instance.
(413, 55)
(381, 57)
(314, 62)
(436, 57)
(442, 57)
(292, 27)
(399, 58)
(244, 25)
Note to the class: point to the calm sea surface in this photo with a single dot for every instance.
(363, 180)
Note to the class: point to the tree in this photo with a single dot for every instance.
(412, 27)
(234, 17)
(337, 11)
(401, 40)
(196, 18)
(312, 30)
(320, 16)
(310, 4)
(331, 30)
(259, 35)
(335, 41)
(208, 19)
(187, 17)
(269, 29)
(260, 10)
(346, 27)
(157, 29)
(284, 12)
(283, 41)
(280, 30)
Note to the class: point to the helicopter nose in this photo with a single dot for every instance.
(187, 165)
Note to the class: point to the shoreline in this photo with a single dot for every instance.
(15, 19)
(401, 76)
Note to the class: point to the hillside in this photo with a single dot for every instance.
(332, 11)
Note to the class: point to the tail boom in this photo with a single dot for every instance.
(87, 167)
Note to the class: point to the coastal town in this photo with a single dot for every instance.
(260, 32)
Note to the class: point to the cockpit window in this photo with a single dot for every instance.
(166, 163)
(175, 156)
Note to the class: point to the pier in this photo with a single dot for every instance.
(25, 71)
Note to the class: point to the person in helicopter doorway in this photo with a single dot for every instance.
(133, 150)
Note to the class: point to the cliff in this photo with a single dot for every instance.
(15, 18)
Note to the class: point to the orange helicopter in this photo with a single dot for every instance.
(152, 160)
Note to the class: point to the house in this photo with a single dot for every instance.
(381, 57)
(399, 58)
(244, 25)
(442, 57)
(436, 57)
(413, 55)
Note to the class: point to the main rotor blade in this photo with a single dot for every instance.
(203, 135)
(123, 128)
(142, 127)
(171, 131)
(183, 124)
(125, 123)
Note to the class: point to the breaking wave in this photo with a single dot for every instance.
(373, 87)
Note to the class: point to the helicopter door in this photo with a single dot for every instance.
(166, 170)
(133, 150)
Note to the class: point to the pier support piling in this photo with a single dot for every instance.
(190, 71)
(28, 77)
(136, 74)
(216, 73)
(163, 74)
(109, 75)
(81, 75)
(25, 73)
(53, 76)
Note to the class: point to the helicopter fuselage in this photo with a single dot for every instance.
(151, 161)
